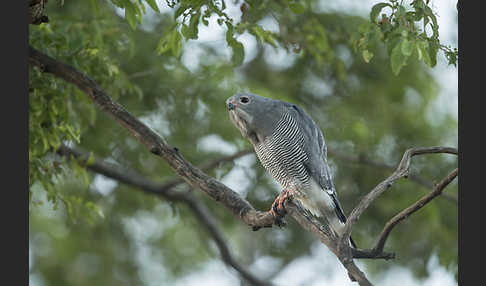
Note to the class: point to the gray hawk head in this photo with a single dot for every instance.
(254, 115)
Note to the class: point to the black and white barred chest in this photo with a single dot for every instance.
(282, 154)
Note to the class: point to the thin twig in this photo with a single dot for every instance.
(401, 171)
(143, 73)
(362, 159)
(413, 208)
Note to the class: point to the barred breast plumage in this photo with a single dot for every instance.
(282, 153)
(292, 149)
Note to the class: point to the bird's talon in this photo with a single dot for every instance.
(280, 222)
(278, 208)
(275, 208)
(275, 212)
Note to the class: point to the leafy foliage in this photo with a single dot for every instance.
(339, 73)
(402, 35)
(399, 30)
(57, 109)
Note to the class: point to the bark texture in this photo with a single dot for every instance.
(36, 12)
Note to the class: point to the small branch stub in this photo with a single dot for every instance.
(36, 12)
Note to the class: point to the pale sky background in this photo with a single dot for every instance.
(318, 268)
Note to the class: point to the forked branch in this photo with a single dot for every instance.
(196, 178)
(413, 208)
(401, 171)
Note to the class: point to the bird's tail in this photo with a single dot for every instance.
(335, 218)
(337, 225)
(353, 244)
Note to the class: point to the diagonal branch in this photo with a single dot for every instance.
(200, 211)
(196, 178)
(413, 208)
(363, 159)
(208, 165)
(327, 237)
(401, 171)
(153, 142)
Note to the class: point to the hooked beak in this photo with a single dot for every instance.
(230, 103)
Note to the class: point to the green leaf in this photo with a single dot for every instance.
(193, 26)
(297, 8)
(259, 33)
(185, 31)
(162, 47)
(229, 33)
(262, 35)
(376, 10)
(130, 15)
(175, 43)
(407, 47)
(73, 134)
(112, 69)
(400, 12)
(367, 56)
(423, 47)
(153, 5)
(91, 159)
(237, 47)
(433, 49)
(142, 6)
(238, 53)
(419, 52)
(451, 57)
(435, 27)
(171, 42)
(398, 59)
(180, 11)
(418, 4)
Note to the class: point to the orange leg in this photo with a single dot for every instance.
(278, 207)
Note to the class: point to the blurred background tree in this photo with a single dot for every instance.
(366, 81)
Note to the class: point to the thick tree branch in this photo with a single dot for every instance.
(209, 165)
(327, 237)
(200, 211)
(196, 178)
(156, 144)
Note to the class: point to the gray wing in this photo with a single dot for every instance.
(316, 151)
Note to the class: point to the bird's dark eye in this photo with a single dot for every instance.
(244, 99)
